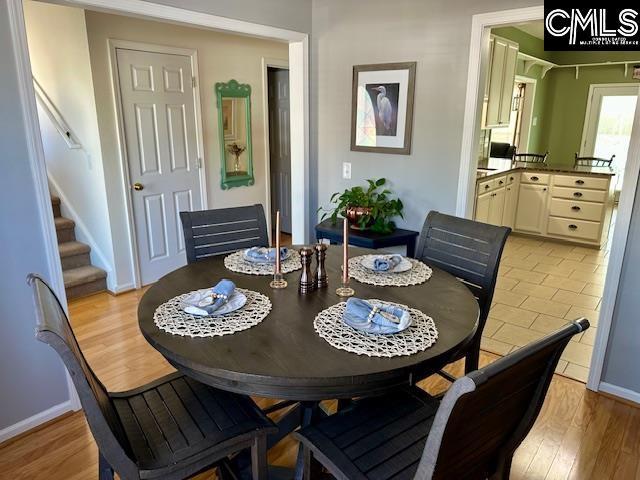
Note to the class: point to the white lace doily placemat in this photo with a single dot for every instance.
(418, 274)
(172, 319)
(236, 263)
(418, 337)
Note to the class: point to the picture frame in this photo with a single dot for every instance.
(382, 100)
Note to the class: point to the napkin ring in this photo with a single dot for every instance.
(374, 311)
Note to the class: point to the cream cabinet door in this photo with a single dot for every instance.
(496, 208)
(510, 204)
(502, 72)
(532, 208)
(483, 204)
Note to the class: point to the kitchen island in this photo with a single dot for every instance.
(574, 204)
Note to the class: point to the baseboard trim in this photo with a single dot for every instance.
(118, 289)
(622, 393)
(35, 421)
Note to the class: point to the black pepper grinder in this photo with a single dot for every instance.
(306, 277)
(320, 277)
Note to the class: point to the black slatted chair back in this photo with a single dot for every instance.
(484, 416)
(216, 232)
(593, 161)
(531, 157)
(470, 251)
(54, 329)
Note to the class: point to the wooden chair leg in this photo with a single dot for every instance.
(312, 468)
(344, 403)
(472, 360)
(504, 470)
(259, 468)
(105, 472)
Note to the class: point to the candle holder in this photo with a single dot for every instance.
(344, 290)
(278, 281)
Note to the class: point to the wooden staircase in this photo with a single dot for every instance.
(80, 277)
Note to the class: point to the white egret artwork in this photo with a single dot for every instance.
(382, 107)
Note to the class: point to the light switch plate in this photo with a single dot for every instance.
(346, 170)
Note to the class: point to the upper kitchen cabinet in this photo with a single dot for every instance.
(503, 55)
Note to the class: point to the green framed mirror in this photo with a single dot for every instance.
(234, 131)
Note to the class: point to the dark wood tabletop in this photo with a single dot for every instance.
(283, 357)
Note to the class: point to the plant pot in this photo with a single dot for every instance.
(354, 214)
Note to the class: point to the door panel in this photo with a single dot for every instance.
(532, 204)
(161, 143)
(280, 146)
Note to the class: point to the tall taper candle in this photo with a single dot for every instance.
(345, 252)
(278, 241)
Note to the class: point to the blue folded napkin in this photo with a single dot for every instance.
(206, 302)
(384, 263)
(375, 317)
(264, 254)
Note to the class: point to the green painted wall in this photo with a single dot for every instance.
(566, 105)
(560, 103)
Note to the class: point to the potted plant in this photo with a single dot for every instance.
(366, 209)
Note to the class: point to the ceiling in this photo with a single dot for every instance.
(535, 29)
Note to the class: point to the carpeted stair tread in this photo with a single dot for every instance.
(82, 275)
(63, 223)
(69, 249)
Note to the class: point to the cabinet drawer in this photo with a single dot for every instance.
(597, 183)
(511, 178)
(579, 194)
(491, 184)
(572, 228)
(578, 210)
(534, 177)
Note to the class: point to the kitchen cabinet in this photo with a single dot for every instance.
(567, 205)
(532, 208)
(483, 205)
(510, 204)
(502, 72)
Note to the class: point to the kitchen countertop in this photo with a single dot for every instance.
(484, 173)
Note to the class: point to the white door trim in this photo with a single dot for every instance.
(532, 96)
(478, 58)
(587, 115)
(114, 45)
(299, 90)
(266, 63)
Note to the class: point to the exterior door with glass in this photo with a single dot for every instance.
(608, 123)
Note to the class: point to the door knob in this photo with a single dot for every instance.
(138, 186)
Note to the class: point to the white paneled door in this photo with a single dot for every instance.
(158, 109)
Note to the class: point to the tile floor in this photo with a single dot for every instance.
(542, 284)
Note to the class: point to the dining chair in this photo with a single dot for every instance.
(593, 161)
(502, 150)
(531, 158)
(469, 434)
(169, 429)
(216, 232)
(470, 251)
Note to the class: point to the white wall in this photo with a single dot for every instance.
(60, 62)
(32, 378)
(221, 57)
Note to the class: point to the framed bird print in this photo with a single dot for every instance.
(382, 107)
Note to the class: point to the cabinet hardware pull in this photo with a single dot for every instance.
(486, 186)
(500, 182)
(511, 178)
(573, 227)
(576, 208)
(535, 179)
(577, 194)
(580, 182)
(544, 189)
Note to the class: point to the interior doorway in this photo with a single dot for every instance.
(279, 146)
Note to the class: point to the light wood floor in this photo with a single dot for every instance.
(579, 434)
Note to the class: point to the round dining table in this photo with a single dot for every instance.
(283, 357)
